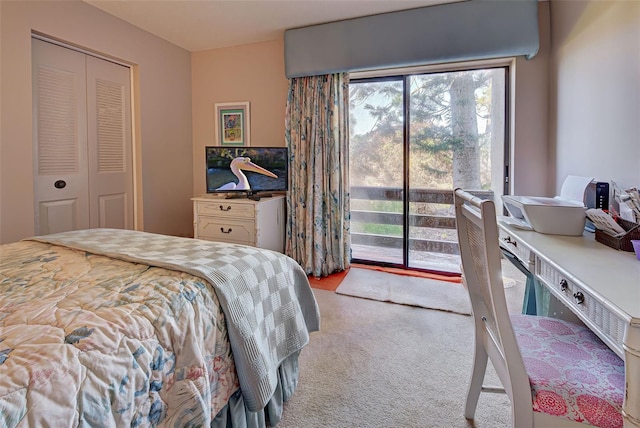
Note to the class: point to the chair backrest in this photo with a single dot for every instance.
(482, 273)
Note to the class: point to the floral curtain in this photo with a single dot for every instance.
(317, 134)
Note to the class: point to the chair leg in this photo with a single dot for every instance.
(480, 358)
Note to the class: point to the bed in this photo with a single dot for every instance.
(106, 327)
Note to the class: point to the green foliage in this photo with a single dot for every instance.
(378, 229)
(378, 206)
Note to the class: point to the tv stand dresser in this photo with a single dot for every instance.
(259, 223)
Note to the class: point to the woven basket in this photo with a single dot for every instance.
(623, 242)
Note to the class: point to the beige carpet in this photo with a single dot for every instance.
(379, 365)
(406, 290)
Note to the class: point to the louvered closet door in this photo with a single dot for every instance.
(110, 153)
(60, 139)
(82, 148)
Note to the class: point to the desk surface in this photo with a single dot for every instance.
(611, 274)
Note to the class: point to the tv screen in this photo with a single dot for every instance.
(246, 169)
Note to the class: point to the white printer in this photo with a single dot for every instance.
(562, 215)
(553, 216)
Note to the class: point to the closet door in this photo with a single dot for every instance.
(82, 141)
(109, 145)
(60, 139)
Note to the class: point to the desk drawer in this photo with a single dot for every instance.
(511, 244)
(227, 209)
(609, 327)
(227, 230)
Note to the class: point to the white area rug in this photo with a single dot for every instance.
(406, 290)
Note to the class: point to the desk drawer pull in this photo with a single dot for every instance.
(227, 231)
(564, 285)
(508, 240)
(579, 297)
(225, 209)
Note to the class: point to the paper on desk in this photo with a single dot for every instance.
(605, 222)
(573, 188)
(627, 213)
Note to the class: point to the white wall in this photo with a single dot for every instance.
(162, 111)
(595, 90)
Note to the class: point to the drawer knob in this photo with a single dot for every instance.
(579, 297)
(508, 240)
(564, 284)
(223, 231)
(225, 209)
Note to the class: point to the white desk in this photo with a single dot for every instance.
(609, 281)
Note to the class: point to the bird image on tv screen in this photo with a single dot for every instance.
(240, 164)
(246, 169)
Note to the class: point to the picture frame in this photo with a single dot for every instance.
(233, 124)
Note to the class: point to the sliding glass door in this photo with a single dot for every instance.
(414, 138)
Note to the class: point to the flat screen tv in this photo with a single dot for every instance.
(250, 171)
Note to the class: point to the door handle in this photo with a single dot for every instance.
(60, 184)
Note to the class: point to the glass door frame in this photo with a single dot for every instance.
(404, 76)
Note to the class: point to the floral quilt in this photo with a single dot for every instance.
(94, 341)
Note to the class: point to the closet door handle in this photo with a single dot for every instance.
(60, 184)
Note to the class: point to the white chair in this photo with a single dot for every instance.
(556, 373)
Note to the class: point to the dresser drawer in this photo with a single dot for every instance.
(225, 209)
(239, 230)
(609, 327)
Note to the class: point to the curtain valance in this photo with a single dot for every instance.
(460, 31)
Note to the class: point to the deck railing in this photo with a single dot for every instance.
(441, 218)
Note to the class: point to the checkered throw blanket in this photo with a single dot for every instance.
(269, 306)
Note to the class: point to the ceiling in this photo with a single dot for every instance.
(197, 25)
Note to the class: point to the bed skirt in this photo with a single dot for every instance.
(236, 415)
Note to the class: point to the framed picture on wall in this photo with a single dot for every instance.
(233, 125)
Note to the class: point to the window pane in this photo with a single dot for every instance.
(376, 171)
